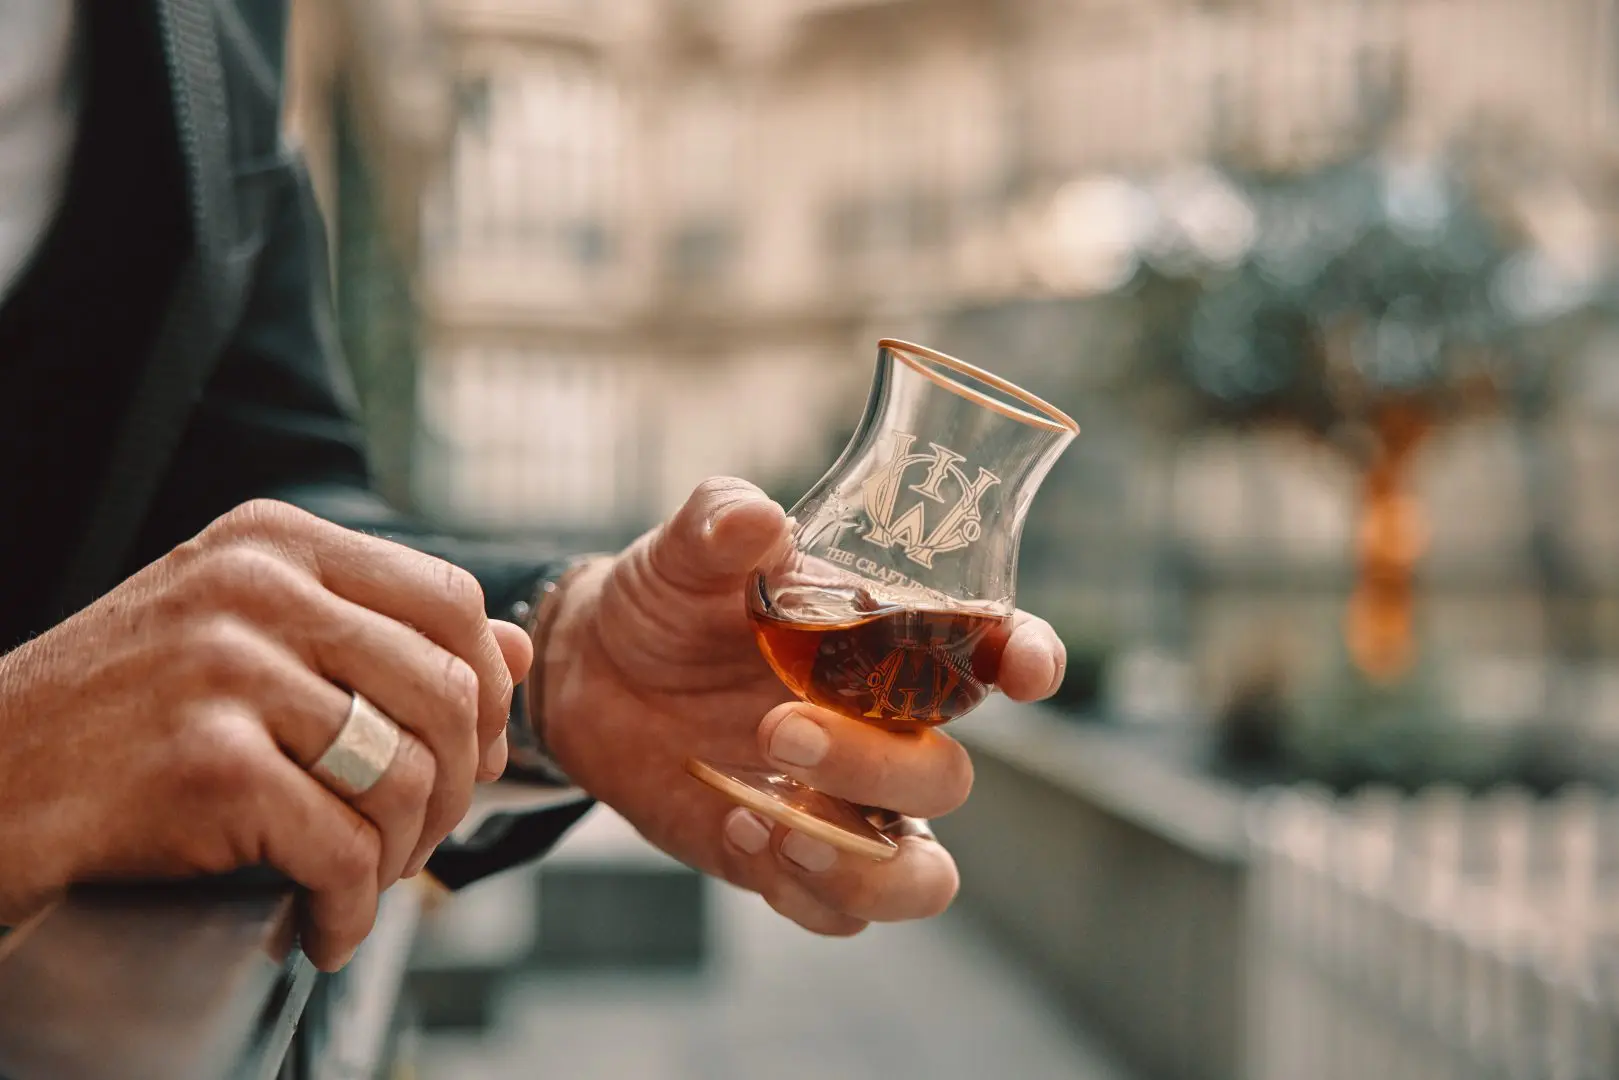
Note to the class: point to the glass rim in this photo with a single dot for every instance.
(1043, 414)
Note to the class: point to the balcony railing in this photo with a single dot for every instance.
(1442, 936)
(196, 981)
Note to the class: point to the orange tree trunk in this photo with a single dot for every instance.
(1380, 626)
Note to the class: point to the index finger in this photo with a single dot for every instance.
(922, 773)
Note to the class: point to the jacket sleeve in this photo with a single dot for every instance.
(278, 419)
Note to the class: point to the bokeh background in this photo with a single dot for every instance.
(1329, 286)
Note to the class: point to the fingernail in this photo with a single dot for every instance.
(348, 959)
(711, 523)
(808, 852)
(494, 759)
(747, 831)
(799, 740)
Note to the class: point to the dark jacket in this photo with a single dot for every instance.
(243, 393)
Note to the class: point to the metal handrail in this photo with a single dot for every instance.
(198, 980)
(194, 981)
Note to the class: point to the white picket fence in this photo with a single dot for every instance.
(1438, 937)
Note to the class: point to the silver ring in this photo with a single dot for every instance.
(360, 755)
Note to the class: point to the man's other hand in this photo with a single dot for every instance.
(651, 660)
(169, 728)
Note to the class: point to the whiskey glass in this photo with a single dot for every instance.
(894, 601)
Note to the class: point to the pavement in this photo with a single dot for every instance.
(928, 1000)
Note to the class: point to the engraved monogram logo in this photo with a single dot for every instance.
(962, 523)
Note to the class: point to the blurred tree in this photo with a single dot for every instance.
(1360, 313)
(1367, 302)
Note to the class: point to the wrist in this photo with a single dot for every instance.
(557, 625)
(561, 652)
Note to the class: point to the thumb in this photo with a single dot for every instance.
(726, 529)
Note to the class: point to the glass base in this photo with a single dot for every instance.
(797, 806)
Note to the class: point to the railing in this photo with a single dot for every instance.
(194, 981)
(1118, 877)
(1435, 937)
(1212, 934)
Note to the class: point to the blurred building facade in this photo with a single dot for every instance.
(654, 240)
(585, 364)
(668, 233)
(368, 105)
(588, 252)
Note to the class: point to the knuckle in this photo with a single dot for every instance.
(246, 573)
(503, 685)
(459, 687)
(238, 521)
(719, 491)
(453, 798)
(216, 763)
(354, 854)
(938, 899)
(189, 551)
(220, 649)
(414, 773)
(457, 803)
(955, 779)
(262, 516)
(717, 488)
(460, 589)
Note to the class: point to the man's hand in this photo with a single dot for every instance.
(167, 729)
(651, 660)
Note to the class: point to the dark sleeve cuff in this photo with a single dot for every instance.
(504, 841)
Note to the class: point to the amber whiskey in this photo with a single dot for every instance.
(898, 667)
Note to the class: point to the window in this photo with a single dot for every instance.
(701, 251)
(472, 103)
